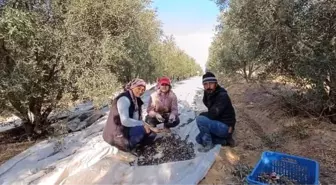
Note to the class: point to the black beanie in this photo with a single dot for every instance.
(209, 77)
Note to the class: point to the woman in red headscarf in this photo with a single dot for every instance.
(162, 106)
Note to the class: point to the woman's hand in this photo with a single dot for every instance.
(165, 109)
(159, 117)
(149, 128)
(154, 129)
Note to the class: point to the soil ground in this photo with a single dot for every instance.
(263, 124)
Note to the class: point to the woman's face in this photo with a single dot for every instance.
(164, 88)
(138, 91)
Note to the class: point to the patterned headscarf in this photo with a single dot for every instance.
(135, 83)
(131, 85)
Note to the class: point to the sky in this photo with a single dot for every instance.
(191, 22)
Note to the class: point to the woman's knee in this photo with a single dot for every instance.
(137, 132)
(140, 130)
(151, 137)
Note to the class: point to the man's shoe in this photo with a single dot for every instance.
(230, 142)
(223, 143)
(206, 148)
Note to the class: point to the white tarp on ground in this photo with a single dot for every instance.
(84, 158)
(10, 123)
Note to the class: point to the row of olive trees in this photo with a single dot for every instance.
(56, 52)
(281, 37)
(178, 65)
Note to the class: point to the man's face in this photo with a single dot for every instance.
(209, 86)
(139, 91)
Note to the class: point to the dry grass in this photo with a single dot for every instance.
(297, 129)
(13, 142)
(12, 149)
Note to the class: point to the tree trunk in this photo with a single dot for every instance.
(249, 75)
(250, 72)
(29, 127)
(330, 87)
(332, 117)
(35, 127)
(245, 71)
(245, 75)
(35, 122)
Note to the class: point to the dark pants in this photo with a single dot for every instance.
(138, 136)
(212, 132)
(153, 121)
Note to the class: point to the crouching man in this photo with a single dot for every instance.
(217, 125)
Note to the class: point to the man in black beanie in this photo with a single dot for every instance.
(217, 125)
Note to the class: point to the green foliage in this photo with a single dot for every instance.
(174, 62)
(31, 74)
(234, 50)
(54, 54)
(291, 38)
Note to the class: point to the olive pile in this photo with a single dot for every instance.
(275, 179)
(164, 149)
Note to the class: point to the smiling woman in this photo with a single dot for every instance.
(124, 128)
(162, 106)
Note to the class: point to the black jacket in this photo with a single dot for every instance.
(219, 107)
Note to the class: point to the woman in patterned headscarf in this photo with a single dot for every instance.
(124, 128)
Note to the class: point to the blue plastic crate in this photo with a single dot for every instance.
(303, 170)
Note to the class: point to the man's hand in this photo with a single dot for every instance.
(159, 118)
(230, 130)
